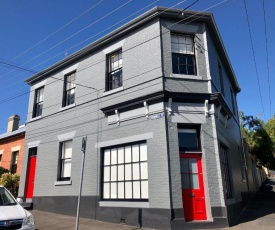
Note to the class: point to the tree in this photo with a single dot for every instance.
(257, 135)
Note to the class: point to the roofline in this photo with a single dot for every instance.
(133, 24)
(18, 132)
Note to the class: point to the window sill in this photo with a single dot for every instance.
(35, 118)
(124, 204)
(67, 107)
(113, 91)
(60, 183)
(183, 76)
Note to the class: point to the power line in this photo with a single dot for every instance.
(219, 4)
(47, 37)
(267, 61)
(253, 52)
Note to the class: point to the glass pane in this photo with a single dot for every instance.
(107, 157)
(135, 149)
(175, 48)
(175, 63)
(184, 165)
(113, 190)
(120, 155)
(66, 169)
(136, 175)
(144, 170)
(67, 149)
(113, 173)
(120, 190)
(120, 172)
(185, 182)
(114, 156)
(188, 140)
(182, 48)
(193, 165)
(128, 190)
(128, 172)
(144, 190)
(143, 152)
(195, 181)
(174, 38)
(106, 173)
(106, 190)
(128, 152)
(136, 190)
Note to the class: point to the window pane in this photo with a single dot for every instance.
(114, 156)
(120, 188)
(106, 173)
(67, 149)
(107, 157)
(193, 165)
(114, 190)
(114, 173)
(120, 157)
(66, 168)
(144, 190)
(128, 172)
(185, 183)
(128, 190)
(136, 190)
(136, 175)
(195, 181)
(143, 152)
(184, 165)
(128, 152)
(106, 190)
(188, 139)
(135, 149)
(144, 170)
(175, 63)
(120, 172)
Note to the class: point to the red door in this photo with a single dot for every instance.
(192, 187)
(30, 176)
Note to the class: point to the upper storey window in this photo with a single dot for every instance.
(38, 103)
(183, 54)
(69, 89)
(114, 70)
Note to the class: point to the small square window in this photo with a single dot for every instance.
(189, 139)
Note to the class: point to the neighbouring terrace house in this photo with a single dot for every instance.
(156, 99)
(12, 145)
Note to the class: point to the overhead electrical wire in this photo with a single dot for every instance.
(253, 52)
(55, 32)
(126, 93)
(155, 36)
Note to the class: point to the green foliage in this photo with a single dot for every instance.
(11, 182)
(260, 137)
(3, 170)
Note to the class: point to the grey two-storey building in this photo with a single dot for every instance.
(156, 99)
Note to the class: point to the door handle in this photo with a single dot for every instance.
(192, 194)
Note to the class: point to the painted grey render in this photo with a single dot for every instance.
(172, 99)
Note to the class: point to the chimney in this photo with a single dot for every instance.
(13, 123)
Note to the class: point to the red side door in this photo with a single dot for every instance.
(31, 173)
(192, 187)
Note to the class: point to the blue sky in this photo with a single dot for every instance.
(36, 34)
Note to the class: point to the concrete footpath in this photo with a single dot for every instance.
(51, 221)
(258, 215)
(260, 211)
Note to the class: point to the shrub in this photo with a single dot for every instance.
(11, 182)
(3, 170)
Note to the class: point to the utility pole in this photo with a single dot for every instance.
(83, 149)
